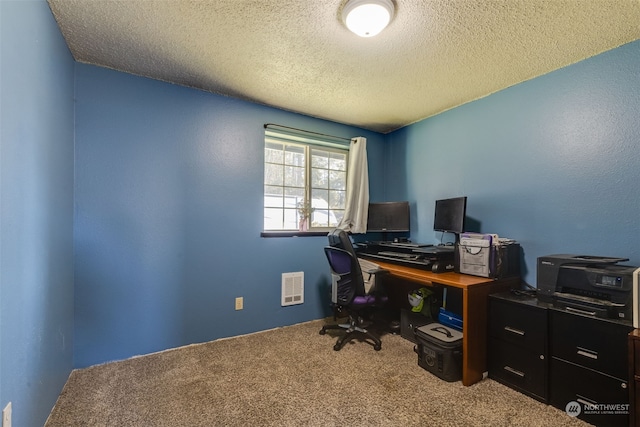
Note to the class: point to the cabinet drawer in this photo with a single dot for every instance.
(572, 383)
(518, 324)
(518, 368)
(594, 343)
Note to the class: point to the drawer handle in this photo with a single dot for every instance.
(586, 402)
(514, 331)
(587, 353)
(577, 310)
(514, 371)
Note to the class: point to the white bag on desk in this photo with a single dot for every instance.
(487, 255)
(475, 254)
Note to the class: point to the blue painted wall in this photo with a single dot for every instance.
(552, 162)
(169, 196)
(168, 199)
(36, 210)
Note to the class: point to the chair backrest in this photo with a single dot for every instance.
(348, 281)
(339, 238)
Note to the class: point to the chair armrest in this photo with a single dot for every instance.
(371, 280)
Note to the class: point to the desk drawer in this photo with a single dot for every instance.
(518, 368)
(594, 343)
(518, 324)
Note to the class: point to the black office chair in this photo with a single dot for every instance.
(339, 238)
(348, 295)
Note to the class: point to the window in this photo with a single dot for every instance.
(305, 181)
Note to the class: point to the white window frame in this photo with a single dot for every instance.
(308, 143)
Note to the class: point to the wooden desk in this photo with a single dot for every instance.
(475, 292)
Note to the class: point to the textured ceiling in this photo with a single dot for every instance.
(297, 55)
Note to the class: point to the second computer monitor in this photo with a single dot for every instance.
(450, 214)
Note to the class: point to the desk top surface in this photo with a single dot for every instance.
(456, 280)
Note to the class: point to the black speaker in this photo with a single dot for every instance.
(443, 266)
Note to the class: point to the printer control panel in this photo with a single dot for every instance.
(607, 281)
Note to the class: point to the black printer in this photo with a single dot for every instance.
(591, 285)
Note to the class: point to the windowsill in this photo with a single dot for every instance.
(293, 233)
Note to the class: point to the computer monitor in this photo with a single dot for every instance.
(388, 217)
(450, 214)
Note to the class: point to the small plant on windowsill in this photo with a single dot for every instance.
(304, 210)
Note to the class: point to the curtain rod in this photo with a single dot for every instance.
(266, 125)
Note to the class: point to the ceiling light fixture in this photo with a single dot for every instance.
(367, 18)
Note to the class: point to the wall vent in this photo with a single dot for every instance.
(292, 288)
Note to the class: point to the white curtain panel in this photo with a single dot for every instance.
(357, 205)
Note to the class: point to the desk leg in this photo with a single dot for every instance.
(475, 301)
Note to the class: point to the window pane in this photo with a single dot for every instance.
(319, 198)
(296, 193)
(294, 155)
(337, 199)
(338, 162)
(273, 201)
(273, 174)
(320, 178)
(320, 159)
(293, 197)
(290, 219)
(338, 214)
(270, 190)
(318, 202)
(320, 218)
(338, 180)
(294, 176)
(273, 153)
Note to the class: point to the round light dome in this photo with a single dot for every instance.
(367, 18)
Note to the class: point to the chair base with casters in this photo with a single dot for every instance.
(356, 328)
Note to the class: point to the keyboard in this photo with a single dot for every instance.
(414, 260)
(398, 255)
(409, 245)
(436, 249)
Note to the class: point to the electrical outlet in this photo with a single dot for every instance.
(6, 415)
(239, 303)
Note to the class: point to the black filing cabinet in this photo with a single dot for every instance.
(589, 365)
(517, 351)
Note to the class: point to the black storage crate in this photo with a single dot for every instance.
(440, 351)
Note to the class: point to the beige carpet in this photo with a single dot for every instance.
(288, 377)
